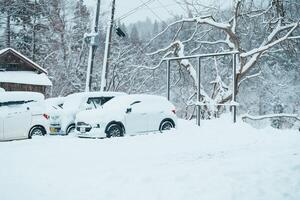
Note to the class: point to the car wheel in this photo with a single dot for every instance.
(70, 129)
(114, 130)
(36, 131)
(166, 125)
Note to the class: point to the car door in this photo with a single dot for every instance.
(136, 118)
(155, 116)
(16, 123)
(2, 111)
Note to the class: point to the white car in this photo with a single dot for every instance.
(22, 115)
(130, 114)
(64, 120)
(55, 103)
(54, 108)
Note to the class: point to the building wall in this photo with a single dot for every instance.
(23, 87)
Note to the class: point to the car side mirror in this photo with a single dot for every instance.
(129, 110)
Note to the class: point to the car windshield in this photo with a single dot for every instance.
(121, 102)
(72, 102)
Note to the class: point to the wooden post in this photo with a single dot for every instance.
(107, 49)
(92, 50)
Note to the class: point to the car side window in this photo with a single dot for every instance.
(137, 107)
(134, 103)
(105, 99)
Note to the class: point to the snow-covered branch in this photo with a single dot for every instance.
(250, 77)
(268, 44)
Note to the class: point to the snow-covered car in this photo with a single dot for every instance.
(54, 108)
(130, 114)
(73, 104)
(55, 103)
(22, 115)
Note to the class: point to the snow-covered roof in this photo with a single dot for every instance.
(25, 77)
(38, 67)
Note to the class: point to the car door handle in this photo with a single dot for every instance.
(144, 113)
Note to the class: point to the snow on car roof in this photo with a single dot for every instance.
(90, 94)
(25, 77)
(20, 96)
(123, 101)
(142, 97)
(74, 100)
(55, 100)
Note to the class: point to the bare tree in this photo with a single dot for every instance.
(277, 29)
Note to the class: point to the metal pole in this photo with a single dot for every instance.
(107, 49)
(92, 50)
(199, 92)
(168, 79)
(234, 88)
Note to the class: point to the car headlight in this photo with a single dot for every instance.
(96, 126)
(82, 124)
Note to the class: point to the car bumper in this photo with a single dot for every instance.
(93, 133)
(55, 130)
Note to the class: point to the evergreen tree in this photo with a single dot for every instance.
(134, 35)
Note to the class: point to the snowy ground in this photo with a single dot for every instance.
(217, 161)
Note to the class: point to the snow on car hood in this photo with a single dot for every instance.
(98, 115)
(90, 116)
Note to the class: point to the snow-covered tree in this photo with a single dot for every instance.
(250, 29)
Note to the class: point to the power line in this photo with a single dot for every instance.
(180, 5)
(168, 11)
(152, 11)
(134, 10)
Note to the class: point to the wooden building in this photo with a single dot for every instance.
(19, 73)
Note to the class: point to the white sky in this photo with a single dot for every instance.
(124, 6)
(163, 9)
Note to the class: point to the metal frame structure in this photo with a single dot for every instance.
(199, 57)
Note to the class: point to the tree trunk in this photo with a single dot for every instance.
(8, 31)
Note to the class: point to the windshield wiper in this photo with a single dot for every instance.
(8, 103)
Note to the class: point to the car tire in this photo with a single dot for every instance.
(70, 129)
(37, 130)
(114, 130)
(166, 125)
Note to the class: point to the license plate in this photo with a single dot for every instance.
(82, 130)
(53, 130)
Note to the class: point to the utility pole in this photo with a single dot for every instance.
(107, 49)
(93, 40)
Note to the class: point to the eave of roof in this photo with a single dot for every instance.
(25, 77)
(21, 56)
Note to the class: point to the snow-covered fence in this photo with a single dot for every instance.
(203, 98)
(280, 121)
